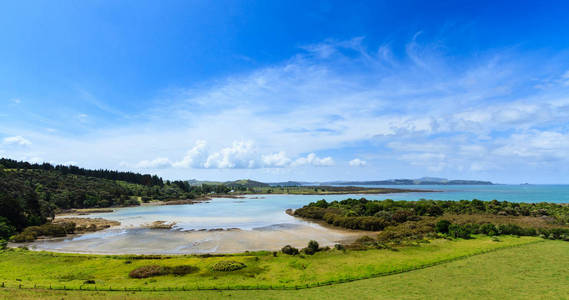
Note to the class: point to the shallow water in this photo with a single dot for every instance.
(261, 221)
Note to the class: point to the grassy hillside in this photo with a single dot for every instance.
(531, 271)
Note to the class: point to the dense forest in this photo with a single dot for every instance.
(31, 194)
(144, 179)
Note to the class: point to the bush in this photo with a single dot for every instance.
(459, 231)
(489, 229)
(290, 250)
(228, 266)
(147, 271)
(3, 244)
(339, 247)
(313, 246)
(52, 230)
(442, 226)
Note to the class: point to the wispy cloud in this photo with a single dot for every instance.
(16, 140)
(419, 109)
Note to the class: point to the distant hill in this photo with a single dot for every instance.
(419, 181)
(244, 183)
(247, 183)
(290, 183)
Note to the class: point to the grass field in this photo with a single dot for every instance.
(531, 271)
(70, 271)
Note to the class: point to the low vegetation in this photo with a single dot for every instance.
(417, 219)
(227, 266)
(157, 270)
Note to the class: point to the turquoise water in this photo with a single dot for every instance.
(512, 193)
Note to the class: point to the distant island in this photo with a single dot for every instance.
(419, 181)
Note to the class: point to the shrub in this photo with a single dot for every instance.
(290, 250)
(489, 229)
(155, 270)
(442, 226)
(147, 271)
(339, 247)
(459, 231)
(3, 244)
(228, 266)
(313, 245)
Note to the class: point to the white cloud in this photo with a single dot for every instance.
(278, 159)
(356, 162)
(241, 155)
(158, 163)
(540, 145)
(312, 160)
(195, 157)
(17, 140)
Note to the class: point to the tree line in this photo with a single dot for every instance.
(144, 179)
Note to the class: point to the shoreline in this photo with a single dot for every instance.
(205, 199)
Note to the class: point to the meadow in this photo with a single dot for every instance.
(264, 270)
(535, 270)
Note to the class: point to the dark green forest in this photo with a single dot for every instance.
(31, 194)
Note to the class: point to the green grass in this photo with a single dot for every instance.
(43, 269)
(531, 271)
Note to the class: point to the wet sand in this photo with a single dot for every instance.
(156, 241)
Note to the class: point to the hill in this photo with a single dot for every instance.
(245, 183)
(31, 194)
(420, 181)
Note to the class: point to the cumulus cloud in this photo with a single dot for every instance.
(312, 160)
(241, 155)
(16, 140)
(278, 160)
(356, 162)
(195, 157)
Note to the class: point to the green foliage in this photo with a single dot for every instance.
(227, 266)
(313, 245)
(6, 230)
(52, 230)
(376, 215)
(459, 231)
(30, 194)
(290, 250)
(3, 244)
(442, 226)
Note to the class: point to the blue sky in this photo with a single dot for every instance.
(289, 90)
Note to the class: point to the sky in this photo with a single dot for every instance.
(289, 90)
